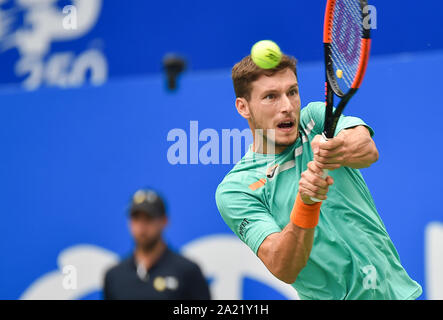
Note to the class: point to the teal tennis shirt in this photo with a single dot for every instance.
(352, 256)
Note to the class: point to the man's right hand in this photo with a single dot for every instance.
(311, 184)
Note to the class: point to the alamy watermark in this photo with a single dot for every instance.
(69, 281)
(210, 146)
(70, 21)
(370, 279)
(370, 20)
(207, 146)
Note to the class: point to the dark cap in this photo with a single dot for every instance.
(148, 202)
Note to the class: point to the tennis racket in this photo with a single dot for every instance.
(347, 43)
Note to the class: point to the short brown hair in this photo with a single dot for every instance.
(246, 71)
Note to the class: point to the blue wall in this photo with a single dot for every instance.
(134, 36)
(71, 158)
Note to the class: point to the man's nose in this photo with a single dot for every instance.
(285, 104)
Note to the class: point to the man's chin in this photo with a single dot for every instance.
(147, 245)
(276, 142)
(285, 141)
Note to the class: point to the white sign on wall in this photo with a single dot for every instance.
(43, 24)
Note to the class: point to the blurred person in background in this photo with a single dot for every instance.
(153, 271)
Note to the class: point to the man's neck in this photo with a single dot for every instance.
(149, 258)
(261, 145)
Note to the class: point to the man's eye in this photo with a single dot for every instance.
(293, 92)
(270, 96)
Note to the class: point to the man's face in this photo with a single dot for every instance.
(275, 104)
(146, 231)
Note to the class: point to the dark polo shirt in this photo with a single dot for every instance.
(172, 277)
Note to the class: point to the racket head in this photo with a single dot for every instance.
(347, 44)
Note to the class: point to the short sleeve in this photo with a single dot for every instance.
(313, 118)
(346, 122)
(246, 215)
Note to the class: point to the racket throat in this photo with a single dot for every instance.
(333, 118)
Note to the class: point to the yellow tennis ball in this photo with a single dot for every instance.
(266, 54)
(339, 73)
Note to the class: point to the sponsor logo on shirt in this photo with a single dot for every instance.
(242, 226)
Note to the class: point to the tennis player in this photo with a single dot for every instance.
(335, 249)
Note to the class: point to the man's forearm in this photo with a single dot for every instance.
(361, 151)
(288, 251)
(293, 250)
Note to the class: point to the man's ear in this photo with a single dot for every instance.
(242, 106)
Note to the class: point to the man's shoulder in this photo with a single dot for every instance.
(312, 118)
(313, 106)
(123, 266)
(240, 179)
(312, 111)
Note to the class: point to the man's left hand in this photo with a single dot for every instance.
(329, 154)
(351, 147)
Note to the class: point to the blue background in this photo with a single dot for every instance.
(213, 35)
(71, 158)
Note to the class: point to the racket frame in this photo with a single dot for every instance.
(331, 83)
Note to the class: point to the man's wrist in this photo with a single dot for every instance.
(305, 215)
(307, 200)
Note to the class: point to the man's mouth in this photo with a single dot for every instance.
(286, 125)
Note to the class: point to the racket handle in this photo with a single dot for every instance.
(325, 171)
(323, 176)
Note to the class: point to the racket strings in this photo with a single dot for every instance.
(347, 31)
